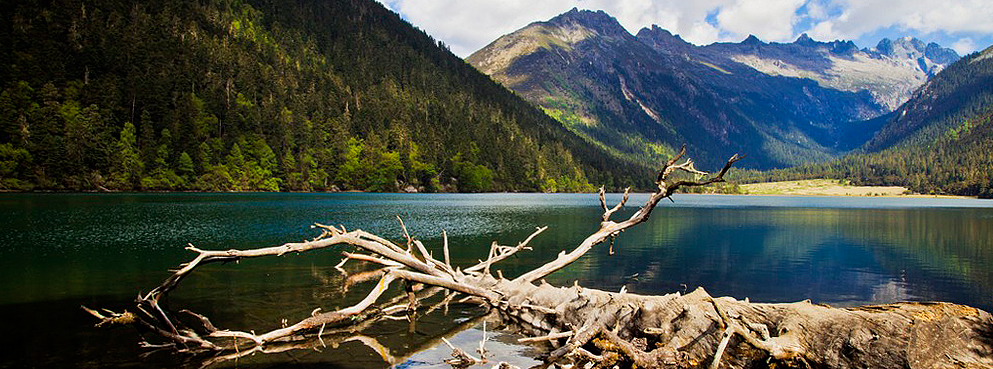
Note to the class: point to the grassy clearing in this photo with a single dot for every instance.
(821, 187)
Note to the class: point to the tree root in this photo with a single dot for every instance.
(599, 328)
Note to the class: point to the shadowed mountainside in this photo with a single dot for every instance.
(226, 95)
(641, 96)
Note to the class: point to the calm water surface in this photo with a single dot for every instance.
(59, 251)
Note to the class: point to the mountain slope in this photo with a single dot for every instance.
(890, 72)
(643, 95)
(264, 95)
(940, 141)
(960, 92)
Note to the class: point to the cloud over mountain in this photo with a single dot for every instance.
(467, 26)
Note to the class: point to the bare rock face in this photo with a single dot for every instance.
(942, 105)
(643, 95)
(890, 72)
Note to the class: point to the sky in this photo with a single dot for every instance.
(963, 25)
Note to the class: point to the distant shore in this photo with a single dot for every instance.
(832, 187)
(808, 187)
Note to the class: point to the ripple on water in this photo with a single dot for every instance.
(70, 249)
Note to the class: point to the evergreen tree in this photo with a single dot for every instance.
(263, 95)
(128, 167)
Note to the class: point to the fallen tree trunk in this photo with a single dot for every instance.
(590, 327)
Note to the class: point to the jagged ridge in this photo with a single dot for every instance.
(643, 95)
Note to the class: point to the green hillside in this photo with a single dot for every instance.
(941, 141)
(264, 95)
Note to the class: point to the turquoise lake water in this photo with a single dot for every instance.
(60, 251)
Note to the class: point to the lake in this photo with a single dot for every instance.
(60, 251)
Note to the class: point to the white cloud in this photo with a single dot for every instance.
(964, 46)
(823, 31)
(859, 17)
(769, 20)
(467, 25)
(816, 10)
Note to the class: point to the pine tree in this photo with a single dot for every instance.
(128, 166)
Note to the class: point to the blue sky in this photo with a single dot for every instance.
(964, 25)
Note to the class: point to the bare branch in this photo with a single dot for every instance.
(603, 199)
(317, 320)
(444, 237)
(610, 229)
(111, 317)
(803, 331)
(444, 267)
(670, 189)
(371, 259)
(506, 253)
(608, 213)
(460, 358)
(410, 241)
(203, 320)
(550, 337)
(489, 258)
(664, 172)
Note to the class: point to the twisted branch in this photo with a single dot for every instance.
(399, 263)
(609, 229)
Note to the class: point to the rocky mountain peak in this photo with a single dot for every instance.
(844, 47)
(904, 47)
(597, 21)
(600, 80)
(661, 39)
(752, 41)
(835, 47)
(929, 58)
(940, 54)
(805, 40)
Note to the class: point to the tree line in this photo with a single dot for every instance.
(231, 95)
(939, 142)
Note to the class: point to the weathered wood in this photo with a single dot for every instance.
(603, 328)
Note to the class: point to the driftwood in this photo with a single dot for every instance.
(587, 327)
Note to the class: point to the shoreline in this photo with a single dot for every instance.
(834, 188)
(912, 196)
(799, 188)
(920, 196)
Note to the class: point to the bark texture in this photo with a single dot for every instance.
(588, 327)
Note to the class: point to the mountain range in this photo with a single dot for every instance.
(345, 95)
(640, 96)
(938, 142)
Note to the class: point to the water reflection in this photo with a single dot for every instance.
(58, 251)
(829, 255)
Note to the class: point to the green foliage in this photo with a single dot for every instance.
(184, 166)
(953, 96)
(350, 173)
(960, 164)
(471, 177)
(12, 162)
(369, 167)
(940, 142)
(264, 95)
(126, 173)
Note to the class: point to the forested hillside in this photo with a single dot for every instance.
(264, 95)
(941, 141)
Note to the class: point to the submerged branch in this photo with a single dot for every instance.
(599, 328)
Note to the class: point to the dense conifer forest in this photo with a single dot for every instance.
(266, 95)
(939, 142)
